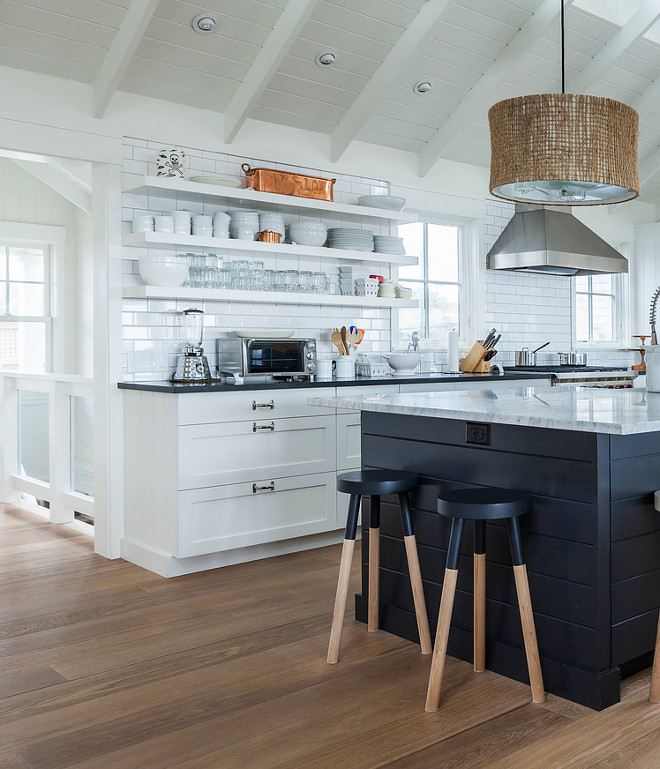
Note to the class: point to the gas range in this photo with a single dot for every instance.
(611, 377)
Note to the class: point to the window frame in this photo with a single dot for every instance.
(52, 239)
(621, 320)
(470, 273)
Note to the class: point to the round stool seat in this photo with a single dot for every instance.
(483, 504)
(377, 482)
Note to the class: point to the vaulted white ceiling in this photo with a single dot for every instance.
(260, 63)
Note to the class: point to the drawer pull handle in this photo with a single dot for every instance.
(256, 427)
(269, 405)
(270, 487)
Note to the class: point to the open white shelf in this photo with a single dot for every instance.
(167, 240)
(275, 297)
(165, 186)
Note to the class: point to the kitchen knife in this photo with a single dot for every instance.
(490, 337)
(490, 355)
(494, 342)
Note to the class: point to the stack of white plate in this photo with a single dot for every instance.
(272, 222)
(350, 238)
(389, 244)
(244, 224)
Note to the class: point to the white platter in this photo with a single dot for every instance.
(260, 333)
(224, 181)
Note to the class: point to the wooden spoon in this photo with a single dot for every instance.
(336, 338)
(343, 339)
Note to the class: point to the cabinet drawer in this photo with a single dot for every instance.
(214, 454)
(228, 517)
(201, 408)
(348, 440)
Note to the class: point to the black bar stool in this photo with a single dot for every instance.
(375, 483)
(481, 505)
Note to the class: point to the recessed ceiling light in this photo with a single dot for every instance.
(205, 23)
(423, 86)
(326, 59)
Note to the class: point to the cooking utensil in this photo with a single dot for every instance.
(490, 355)
(343, 339)
(287, 183)
(545, 344)
(493, 344)
(336, 338)
(489, 338)
(360, 335)
(572, 358)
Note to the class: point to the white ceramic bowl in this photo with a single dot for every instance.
(402, 363)
(307, 238)
(391, 202)
(164, 270)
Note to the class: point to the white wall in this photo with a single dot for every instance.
(25, 199)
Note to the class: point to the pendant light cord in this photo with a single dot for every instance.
(563, 64)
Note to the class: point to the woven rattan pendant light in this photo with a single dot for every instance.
(563, 148)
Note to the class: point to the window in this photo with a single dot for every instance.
(435, 282)
(24, 308)
(595, 308)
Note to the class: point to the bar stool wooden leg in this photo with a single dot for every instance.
(526, 614)
(654, 692)
(374, 562)
(415, 576)
(479, 596)
(342, 582)
(444, 617)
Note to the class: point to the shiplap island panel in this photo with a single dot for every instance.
(590, 460)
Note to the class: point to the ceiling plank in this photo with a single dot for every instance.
(269, 58)
(482, 93)
(621, 41)
(62, 181)
(362, 107)
(649, 166)
(121, 52)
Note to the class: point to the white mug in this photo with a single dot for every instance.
(324, 369)
(344, 367)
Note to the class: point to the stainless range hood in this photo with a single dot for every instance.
(551, 240)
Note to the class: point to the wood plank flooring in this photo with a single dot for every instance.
(106, 666)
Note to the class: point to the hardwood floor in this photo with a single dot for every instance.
(106, 666)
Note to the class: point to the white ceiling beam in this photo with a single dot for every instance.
(61, 181)
(285, 31)
(121, 52)
(362, 107)
(649, 166)
(620, 42)
(649, 100)
(481, 95)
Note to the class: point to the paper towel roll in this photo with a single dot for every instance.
(452, 350)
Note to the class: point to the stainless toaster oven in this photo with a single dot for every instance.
(246, 358)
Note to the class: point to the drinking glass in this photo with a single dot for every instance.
(257, 278)
(269, 280)
(279, 280)
(305, 281)
(291, 280)
(319, 283)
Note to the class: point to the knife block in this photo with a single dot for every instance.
(474, 362)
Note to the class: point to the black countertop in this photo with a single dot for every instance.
(170, 387)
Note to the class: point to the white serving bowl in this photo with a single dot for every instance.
(307, 236)
(402, 363)
(391, 202)
(167, 271)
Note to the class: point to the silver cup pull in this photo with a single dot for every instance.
(256, 427)
(270, 487)
(269, 405)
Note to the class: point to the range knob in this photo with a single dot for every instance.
(310, 344)
(310, 356)
(311, 367)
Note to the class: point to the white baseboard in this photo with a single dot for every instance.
(168, 566)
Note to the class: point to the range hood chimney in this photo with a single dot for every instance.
(550, 240)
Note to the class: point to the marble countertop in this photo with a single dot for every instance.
(617, 412)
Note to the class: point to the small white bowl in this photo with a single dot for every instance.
(402, 363)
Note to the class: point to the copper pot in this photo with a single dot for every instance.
(266, 236)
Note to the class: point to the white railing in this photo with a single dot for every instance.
(59, 487)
